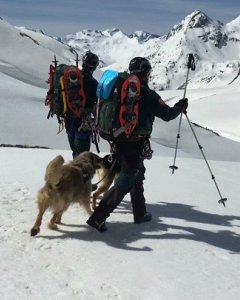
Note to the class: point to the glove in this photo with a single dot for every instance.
(182, 105)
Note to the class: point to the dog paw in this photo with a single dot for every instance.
(58, 221)
(52, 226)
(34, 231)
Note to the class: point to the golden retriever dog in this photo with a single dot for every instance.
(66, 183)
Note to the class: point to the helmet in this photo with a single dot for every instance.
(139, 65)
(90, 60)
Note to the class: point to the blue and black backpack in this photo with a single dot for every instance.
(117, 109)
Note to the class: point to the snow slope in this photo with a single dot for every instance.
(189, 250)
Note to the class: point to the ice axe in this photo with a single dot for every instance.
(55, 61)
(190, 65)
(77, 60)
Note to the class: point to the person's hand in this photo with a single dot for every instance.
(182, 105)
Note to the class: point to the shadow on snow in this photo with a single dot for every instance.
(122, 234)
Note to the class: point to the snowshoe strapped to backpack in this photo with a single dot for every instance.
(66, 93)
(117, 111)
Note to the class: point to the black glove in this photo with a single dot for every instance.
(182, 105)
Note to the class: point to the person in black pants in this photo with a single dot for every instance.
(129, 153)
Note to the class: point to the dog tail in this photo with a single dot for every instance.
(53, 171)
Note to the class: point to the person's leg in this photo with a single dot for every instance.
(69, 122)
(109, 202)
(140, 213)
(71, 139)
(129, 160)
(82, 142)
(138, 200)
(81, 145)
(129, 156)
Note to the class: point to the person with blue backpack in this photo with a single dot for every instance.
(130, 152)
(78, 129)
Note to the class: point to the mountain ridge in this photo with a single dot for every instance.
(215, 46)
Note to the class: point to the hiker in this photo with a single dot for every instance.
(78, 129)
(129, 153)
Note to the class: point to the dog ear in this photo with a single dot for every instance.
(96, 160)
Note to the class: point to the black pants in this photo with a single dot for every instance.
(130, 179)
(79, 140)
(129, 157)
(77, 143)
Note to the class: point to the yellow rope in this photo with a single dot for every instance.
(63, 95)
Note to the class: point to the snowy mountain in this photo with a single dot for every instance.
(114, 48)
(215, 51)
(26, 54)
(215, 47)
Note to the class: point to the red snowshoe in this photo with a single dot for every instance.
(130, 96)
(74, 93)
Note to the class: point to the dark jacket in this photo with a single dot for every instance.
(90, 89)
(150, 106)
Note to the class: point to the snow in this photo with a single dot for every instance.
(188, 251)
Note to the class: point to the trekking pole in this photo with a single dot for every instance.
(190, 65)
(222, 200)
(95, 135)
(95, 140)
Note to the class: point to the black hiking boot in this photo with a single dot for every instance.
(108, 203)
(100, 227)
(145, 218)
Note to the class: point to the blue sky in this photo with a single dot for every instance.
(61, 17)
